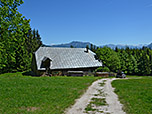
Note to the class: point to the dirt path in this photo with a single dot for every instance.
(97, 91)
(115, 107)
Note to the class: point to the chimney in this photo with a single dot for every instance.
(87, 49)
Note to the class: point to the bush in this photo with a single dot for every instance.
(102, 69)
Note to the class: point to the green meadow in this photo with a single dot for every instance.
(135, 94)
(39, 95)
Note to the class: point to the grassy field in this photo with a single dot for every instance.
(39, 95)
(135, 94)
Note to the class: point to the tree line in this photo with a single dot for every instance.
(17, 40)
(130, 61)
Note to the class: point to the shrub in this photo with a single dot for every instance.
(102, 69)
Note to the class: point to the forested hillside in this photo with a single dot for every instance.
(17, 40)
(130, 61)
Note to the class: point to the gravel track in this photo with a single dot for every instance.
(113, 106)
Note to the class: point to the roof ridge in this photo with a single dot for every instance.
(62, 48)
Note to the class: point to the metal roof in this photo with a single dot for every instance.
(66, 58)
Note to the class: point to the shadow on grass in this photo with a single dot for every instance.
(29, 73)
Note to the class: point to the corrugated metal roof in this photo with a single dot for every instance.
(66, 58)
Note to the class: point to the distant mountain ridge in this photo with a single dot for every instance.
(112, 46)
(150, 46)
(78, 44)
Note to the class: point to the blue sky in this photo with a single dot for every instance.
(96, 21)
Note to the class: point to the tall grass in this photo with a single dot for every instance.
(39, 95)
(135, 94)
